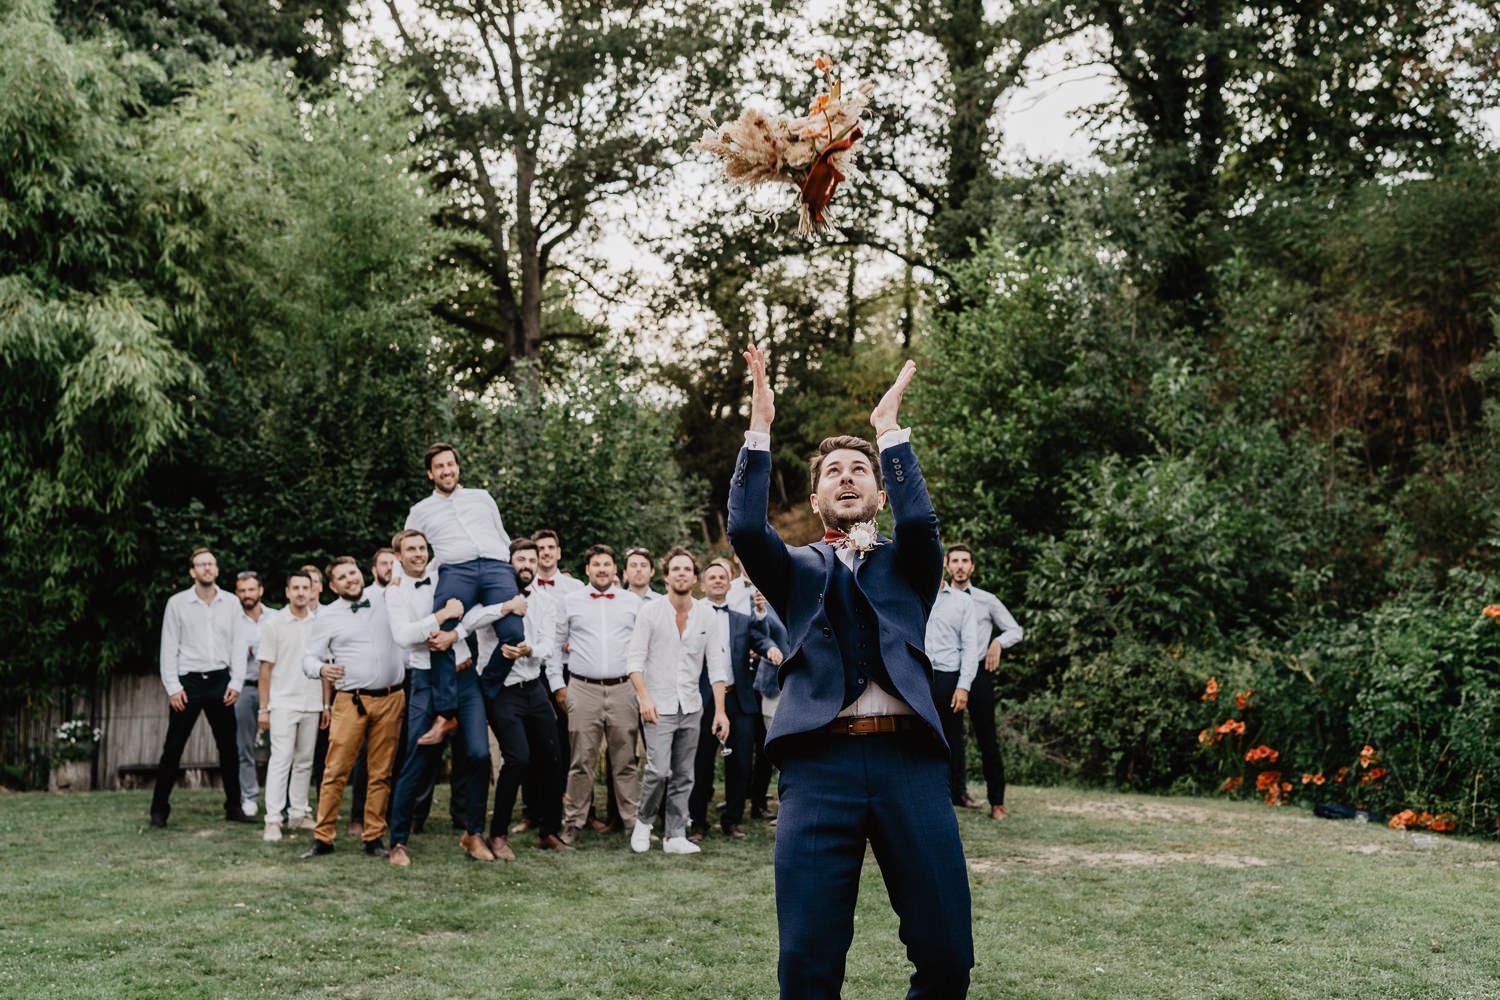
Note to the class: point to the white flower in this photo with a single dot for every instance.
(863, 537)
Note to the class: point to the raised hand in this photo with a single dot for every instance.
(887, 413)
(762, 402)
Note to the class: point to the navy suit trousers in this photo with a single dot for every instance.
(478, 582)
(836, 791)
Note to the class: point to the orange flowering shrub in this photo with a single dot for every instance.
(1242, 699)
(1262, 753)
(1211, 692)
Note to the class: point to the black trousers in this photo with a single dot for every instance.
(205, 696)
(944, 683)
(739, 766)
(982, 718)
(703, 772)
(524, 725)
(760, 779)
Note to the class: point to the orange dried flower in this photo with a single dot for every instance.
(1242, 699)
(824, 63)
(1211, 692)
(1261, 753)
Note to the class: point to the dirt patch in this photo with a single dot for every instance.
(1139, 812)
(1077, 857)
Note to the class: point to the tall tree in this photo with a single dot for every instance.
(544, 117)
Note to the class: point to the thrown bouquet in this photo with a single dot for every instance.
(815, 152)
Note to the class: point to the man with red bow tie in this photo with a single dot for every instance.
(596, 624)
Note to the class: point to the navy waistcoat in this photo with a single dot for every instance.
(858, 633)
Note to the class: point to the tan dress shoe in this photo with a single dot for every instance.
(551, 843)
(399, 857)
(477, 849)
(998, 812)
(440, 727)
(500, 848)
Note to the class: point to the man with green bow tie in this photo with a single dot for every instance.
(352, 649)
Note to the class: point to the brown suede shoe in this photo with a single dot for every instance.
(477, 849)
(551, 843)
(399, 857)
(440, 727)
(734, 832)
(998, 812)
(500, 848)
(598, 825)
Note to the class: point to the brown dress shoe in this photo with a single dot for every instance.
(967, 802)
(523, 826)
(440, 727)
(598, 825)
(500, 848)
(552, 843)
(998, 812)
(734, 832)
(696, 834)
(399, 857)
(477, 849)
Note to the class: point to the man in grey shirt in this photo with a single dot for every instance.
(203, 670)
(949, 641)
(994, 630)
(248, 591)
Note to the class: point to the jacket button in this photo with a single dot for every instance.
(860, 682)
(827, 630)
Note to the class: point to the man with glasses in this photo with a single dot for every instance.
(203, 669)
(248, 591)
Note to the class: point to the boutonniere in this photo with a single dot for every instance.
(860, 537)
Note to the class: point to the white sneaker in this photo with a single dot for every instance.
(304, 823)
(679, 845)
(249, 808)
(640, 837)
(272, 834)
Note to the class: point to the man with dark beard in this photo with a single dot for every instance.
(856, 733)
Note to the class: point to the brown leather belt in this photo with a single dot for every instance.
(868, 725)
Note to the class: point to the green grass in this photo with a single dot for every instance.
(1079, 895)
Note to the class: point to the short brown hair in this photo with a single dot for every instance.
(640, 550)
(382, 550)
(599, 550)
(340, 561)
(958, 547)
(673, 553)
(313, 572)
(435, 449)
(193, 556)
(721, 561)
(402, 536)
(845, 442)
(541, 534)
(521, 545)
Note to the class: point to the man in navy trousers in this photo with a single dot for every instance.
(856, 734)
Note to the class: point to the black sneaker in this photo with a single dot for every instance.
(319, 847)
(376, 849)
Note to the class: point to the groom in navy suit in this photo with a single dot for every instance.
(856, 734)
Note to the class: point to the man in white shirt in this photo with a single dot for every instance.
(291, 707)
(520, 684)
(639, 568)
(203, 670)
(596, 624)
(949, 645)
(549, 575)
(248, 591)
(468, 538)
(351, 647)
(381, 565)
(673, 640)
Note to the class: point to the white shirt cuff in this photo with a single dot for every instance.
(758, 440)
(890, 439)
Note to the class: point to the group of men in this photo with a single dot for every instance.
(474, 633)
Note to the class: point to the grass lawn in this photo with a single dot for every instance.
(1079, 894)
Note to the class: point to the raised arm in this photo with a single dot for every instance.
(887, 413)
(761, 549)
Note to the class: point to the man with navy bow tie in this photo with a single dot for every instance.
(856, 734)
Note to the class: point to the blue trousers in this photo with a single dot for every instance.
(471, 772)
(893, 788)
(475, 583)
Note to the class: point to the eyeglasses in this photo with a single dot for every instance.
(247, 574)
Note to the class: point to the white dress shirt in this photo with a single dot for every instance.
(671, 662)
(558, 585)
(250, 633)
(409, 605)
(360, 640)
(202, 638)
(597, 630)
(540, 622)
(283, 643)
(742, 597)
(462, 526)
(874, 700)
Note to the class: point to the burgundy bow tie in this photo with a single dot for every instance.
(598, 594)
(545, 583)
(833, 536)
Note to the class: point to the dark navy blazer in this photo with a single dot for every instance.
(745, 634)
(899, 580)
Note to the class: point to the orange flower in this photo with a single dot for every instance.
(1242, 700)
(1374, 774)
(1313, 779)
(1403, 819)
(1267, 779)
(1207, 736)
(1211, 692)
(1231, 726)
(1493, 611)
(1368, 756)
(824, 63)
(1343, 773)
(1232, 784)
(1443, 823)
(1262, 753)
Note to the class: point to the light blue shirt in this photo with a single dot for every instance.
(992, 621)
(950, 634)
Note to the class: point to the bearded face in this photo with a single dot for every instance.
(848, 492)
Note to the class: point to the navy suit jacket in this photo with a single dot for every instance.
(899, 580)
(745, 634)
